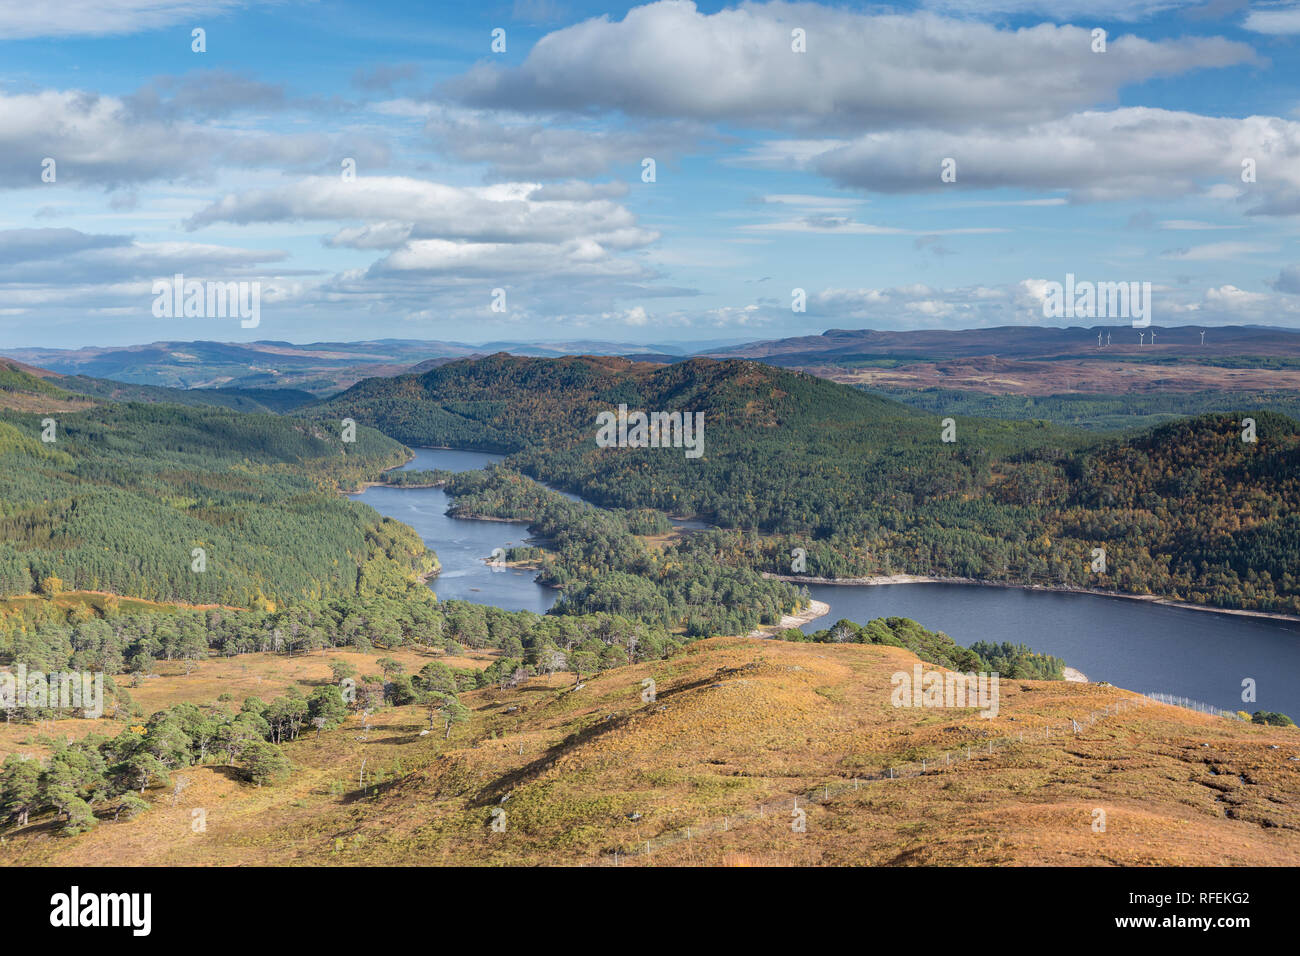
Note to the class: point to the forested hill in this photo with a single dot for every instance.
(866, 485)
(781, 449)
(124, 493)
(21, 389)
(26, 388)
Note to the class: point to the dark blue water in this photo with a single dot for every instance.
(463, 545)
(1132, 644)
(449, 459)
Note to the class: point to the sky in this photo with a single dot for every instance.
(672, 172)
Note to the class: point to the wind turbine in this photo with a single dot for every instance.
(1098, 340)
(1153, 336)
(1202, 337)
(1108, 338)
(1142, 338)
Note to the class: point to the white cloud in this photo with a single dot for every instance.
(104, 141)
(1117, 154)
(21, 19)
(500, 260)
(505, 212)
(1279, 21)
(870, 71)
(105, 274)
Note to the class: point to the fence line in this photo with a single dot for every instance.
(1190, 704)
(789, 803)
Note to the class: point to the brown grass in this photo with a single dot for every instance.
(737, 722)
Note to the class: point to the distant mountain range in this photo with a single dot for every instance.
(319, 367)
(1020, 360)
(1004, 360)
(1024, 342)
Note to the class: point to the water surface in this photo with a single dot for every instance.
(463, 545)
(1140, 646)
(1136, 645)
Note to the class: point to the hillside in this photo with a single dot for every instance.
(867, 486)
(124, 492)
(736, 724)
(1109, 412)
(25, 389)
(266, 400)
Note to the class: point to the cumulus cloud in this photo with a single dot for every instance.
(43, 269)
(919, 306)
(500, 260)
(870, 71)
(513, 146)
(506, 212)
(1096, 155)
(1278, 21)
(25, 245)
(107, 141)
(563, 247)
(68, 255)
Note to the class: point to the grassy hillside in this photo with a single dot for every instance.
(736, 724)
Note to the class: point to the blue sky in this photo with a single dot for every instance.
(521, 170)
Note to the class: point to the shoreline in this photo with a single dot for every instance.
(876, 580)
(377, 484)
(812, 612)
